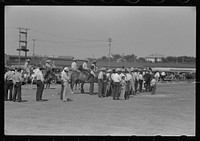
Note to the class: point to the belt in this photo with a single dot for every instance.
(9, 80)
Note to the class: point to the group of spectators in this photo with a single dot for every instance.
(122, 82)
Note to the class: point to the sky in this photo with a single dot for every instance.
(83, 31)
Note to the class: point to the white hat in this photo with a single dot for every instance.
(74, 59)
(66, 69)
(28, 59)
(118, 69)
(48, 61)
(109, 70)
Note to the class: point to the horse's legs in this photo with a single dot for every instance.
(82, 90)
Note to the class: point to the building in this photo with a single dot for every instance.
(154, 58)
(13, 60)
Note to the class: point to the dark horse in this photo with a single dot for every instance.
(81, 76)
(48, 77)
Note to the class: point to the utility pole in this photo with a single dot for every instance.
(34, 49)
(109, 40)
(22, 42)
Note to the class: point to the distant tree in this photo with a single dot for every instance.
(130, 58)
(141, 60)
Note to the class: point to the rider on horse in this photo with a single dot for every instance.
(74, 66)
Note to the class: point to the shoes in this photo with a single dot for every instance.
(69, 99)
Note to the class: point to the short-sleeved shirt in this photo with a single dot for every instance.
(8, 75)
(17, 77)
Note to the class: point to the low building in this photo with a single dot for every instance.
(154, 58)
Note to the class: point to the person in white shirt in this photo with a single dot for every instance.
(94, 65)
(141, 79)
(101, 88)
(47, 64)
(116, 80)
(153, 85)
(65, 76)
(163, 74)
(157, 76)
(128, 83)
(91, 78)
(40, 84)
(108, 86)
(74, 65)
(84, 66)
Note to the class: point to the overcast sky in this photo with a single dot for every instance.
(83, 31)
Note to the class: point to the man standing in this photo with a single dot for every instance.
(116, 79)
(92, 76)
(128, 84)
(27, 67)
(8, 78)
(100, 83)
(17, 81)
(108, 86)
(40, 84)
(65, 76)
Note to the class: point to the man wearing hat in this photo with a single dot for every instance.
(27, 67)
(17, 80)
(47, 64)
(40, 83)
(92, 78)
(94, 65)
(74, 65)
(65, 76)
(116, 80)
(101, 85)
(108, 86)
(8, 78)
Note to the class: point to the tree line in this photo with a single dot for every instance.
(134, 58)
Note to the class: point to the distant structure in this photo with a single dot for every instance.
(154, 58)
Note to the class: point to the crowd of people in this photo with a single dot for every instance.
(119, 83)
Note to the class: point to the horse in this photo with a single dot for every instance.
(48, 77)
(80, 77)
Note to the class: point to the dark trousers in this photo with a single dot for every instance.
(61, 92)
(8, 86)
(140, 85)
(116, 92)
(91, 84)
(153, 89)
(128, 90)
(147, 86)
(40, 88)
(100, 87)
(17, 92)
(104, 88)
(136, 86)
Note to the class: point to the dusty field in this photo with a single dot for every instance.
(170, 112)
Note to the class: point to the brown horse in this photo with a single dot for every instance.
(79, 77)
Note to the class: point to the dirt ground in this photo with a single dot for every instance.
(171, 112)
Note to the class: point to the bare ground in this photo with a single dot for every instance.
(171, 112)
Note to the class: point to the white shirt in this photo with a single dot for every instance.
(65, 77)
(85, 66)
(163, 73)
(128, 77)
(122, 74)
(39, 75)
(116, 77)
(74, 65)
(100, 76)
(140, 77)
(157, 74)
(92, 72)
